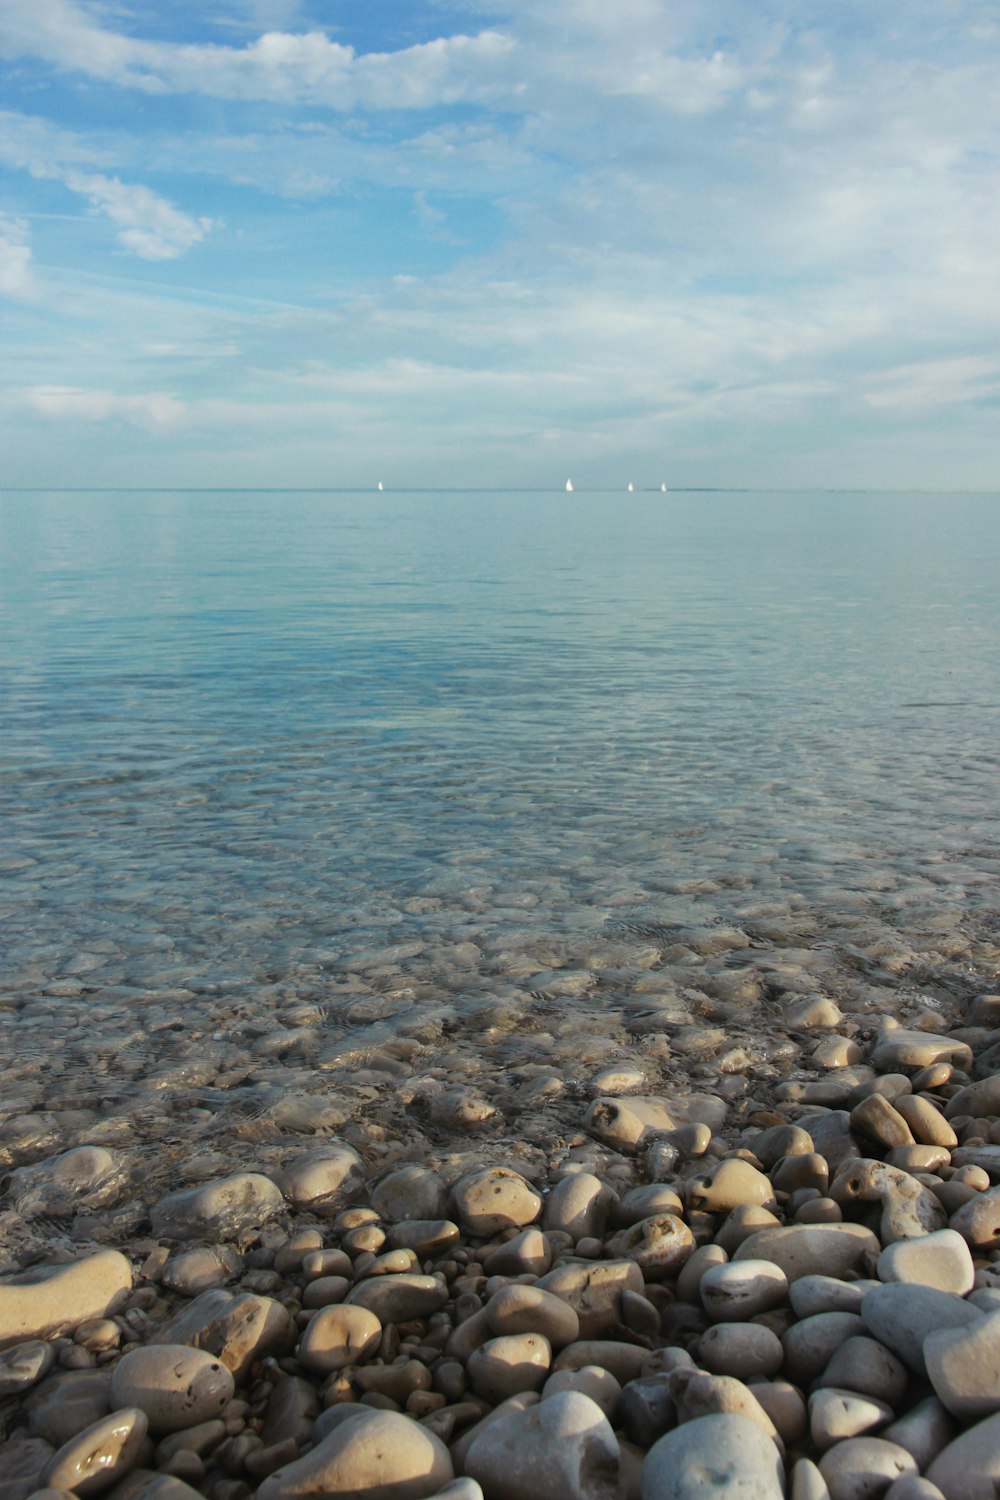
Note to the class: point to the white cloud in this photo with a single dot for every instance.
(153, 412)
(147, 224)
(16, 275)
(936, 383)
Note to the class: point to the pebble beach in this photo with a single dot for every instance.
(513, 1019)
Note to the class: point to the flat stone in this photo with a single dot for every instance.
(964, 1367)
(530, 1309)
(238, 1329)
(978, 1221)
(99, 1456)
(338, 1336)
(865, 1365)
(23, 1365)
(813, 1249)
(409, 1192)
(724, 1456)
(492, 1199)
(67, 1402)
(579, 1205)
(201, 1270)
(373, 1455)
(594, 1291)
(659, 1246)
(506, 1366)
(561, 1447)
(838, 1414)
(739, 1290)
(981, 1099)
(900, 1048)
(220, 1210)
(863, 1468)
(398, 1299)
(901, 1315)
(942, 1260)
(174, 1385)
(969, 1468)
(49, 1300)
(741, 1349)
(323, 1181)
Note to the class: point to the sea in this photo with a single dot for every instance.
(278, 763)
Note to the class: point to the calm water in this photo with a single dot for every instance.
(256, 742)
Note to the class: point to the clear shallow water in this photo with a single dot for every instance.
(265, 746)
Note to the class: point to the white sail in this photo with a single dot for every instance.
(381, 485)
(631, 487)
(569, 486)
(663, 489)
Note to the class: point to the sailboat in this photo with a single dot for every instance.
(381, 485)
(663, 488)
(631, 487)
(569, 486)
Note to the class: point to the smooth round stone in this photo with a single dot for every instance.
(659, 1246)
(624, 1361)
(811, 1295)
(239, 1329)
(527, 1309)
(978, 1221)
(835, 1415)
(969, 1468)
(49, 1300)
(927, 1124)
(724, 1456)
(620, 1078)
(100, 1455)
(23, 1365)
(578, 1205)
(323, 1181)
(339, 1335)
(398, 1299)
(813, 1249)
(964, 1367)
(744, 1221)
(942, 1260)
(645, 1410)
(784, 1405)
(527, 1254)
(506, 1366)
(900, 1048)
(325, 1291)
(912, 1487)
(627, 1126)
(901, 1315)
(410, 1192)
(741, 1289)
(876, 1118)
(493, 1199)
(196, 1271)
(221, 1210)
(865, 1365)
(740, 1349)
(594, 1290)
(807, 1482)
(924, 1431)
(863, 1468)
(727, 1186)
(779, 1141)
(693, 1271)
(600, 1385)
(810, 1344)
(562, 1447)
(804, 1170)
(705, 1395)
(83, 1177)
(430, 1238)
(174, 1385)
(372, 1455)
(976, 1099)
(646, 1202)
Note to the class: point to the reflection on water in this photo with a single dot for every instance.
(255, 744)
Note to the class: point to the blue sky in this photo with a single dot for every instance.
(273, 242)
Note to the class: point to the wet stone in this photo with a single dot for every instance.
(23, 1365)
(96, 1458)
(220, 1210)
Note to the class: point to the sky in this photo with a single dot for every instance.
(459, 242)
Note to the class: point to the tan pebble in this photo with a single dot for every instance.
(100, 1455)
(819, 1211)
(807, 1482)
(399, 1298)
(927, 1123)
(337, 1336)
(579, 1205)
(398, 1380)
(806, 1169)
(529, 1309)
(627, 1125)
(240, 1329)
(324, 1291)
(746, 1220)
(941, 1260)
(600, 1385)
(507, 1365)
(784, 1405)
(694, 1269)
(978, 1222)
(862, 1468)
(528, 1253)
(964, 1367)
(494, 1198)
(561, 1447)
(908, 1208)
(705, 1394)
(813, 1249)
(659, 1245)
(740, 1290)
(740, 1349)
(174, 1385)
(729, 1185)
(624, 1361)
(56, 1299)
(779, 1141)
(837, 1414)
(371, 1453)
(594, 1291)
